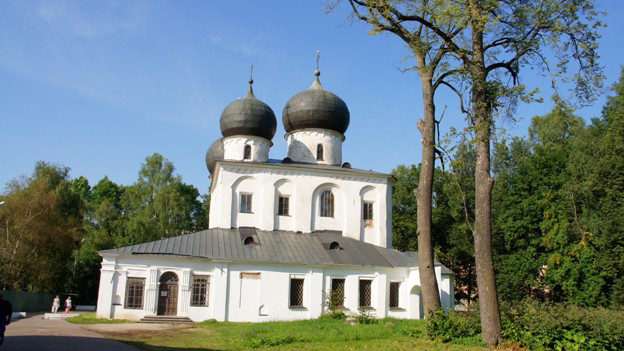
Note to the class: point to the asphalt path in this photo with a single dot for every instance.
(37, 334)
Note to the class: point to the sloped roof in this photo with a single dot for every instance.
(275, 247)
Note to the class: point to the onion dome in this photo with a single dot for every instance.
(214, 154)
(316, 108)
(248, 116)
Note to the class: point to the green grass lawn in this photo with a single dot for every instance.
(319, 334)
(89, 318)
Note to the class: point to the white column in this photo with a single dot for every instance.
(151, 292)
(221, 291)
(184, 299)
(381, 305)
(105, 294)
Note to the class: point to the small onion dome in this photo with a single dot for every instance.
(248, 116)
(316, 108)
(214, 154)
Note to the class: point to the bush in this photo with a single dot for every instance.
(449, 326)
(366, 317)
(548, 326)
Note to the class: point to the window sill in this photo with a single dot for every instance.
(298, 308)
(397, 309)
(245, 212)
(199, 306)
(366, 308)
(283, 215)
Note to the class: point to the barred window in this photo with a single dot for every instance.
(134, 293)
(282, 206)
(245, 203)
(247, 153)
(394, 294)
(367, 211)
(296, 292)
(365, 292)
(337, 292)
(327, 204)
(319, 152)
(201, 289)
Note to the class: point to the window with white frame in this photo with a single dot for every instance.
(394, 294)
(283, 203)
(338, 292)
(296, 292)
(327, 204)
(245, 203)
(200, 290)
(367, 212)
(134, 293)
(366, 293)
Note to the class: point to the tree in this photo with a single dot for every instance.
(430, 53)
(42, 221)
(503, 36)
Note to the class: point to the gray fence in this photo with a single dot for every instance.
(24, 301)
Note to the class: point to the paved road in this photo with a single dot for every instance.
(37, 334)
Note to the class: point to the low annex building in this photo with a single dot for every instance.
(284, 234)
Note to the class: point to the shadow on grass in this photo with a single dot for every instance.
(78, 343)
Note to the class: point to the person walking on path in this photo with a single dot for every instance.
(68, 304)
(56, 304)
(6, 310)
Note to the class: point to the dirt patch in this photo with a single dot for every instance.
(131, 327)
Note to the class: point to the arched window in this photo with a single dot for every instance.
(319, 152)
(247, 153)
(327, 204)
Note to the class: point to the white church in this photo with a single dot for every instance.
(283, 234)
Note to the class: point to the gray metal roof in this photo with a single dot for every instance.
(275, 247)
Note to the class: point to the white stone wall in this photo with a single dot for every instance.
(255, 292)
(303, 143)
(303, 185)
(234, 148)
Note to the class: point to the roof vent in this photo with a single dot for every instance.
(335, 246)
(346, 165)
(249, 241)
(287, 160)
(248, 235)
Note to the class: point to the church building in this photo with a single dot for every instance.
(284, 234)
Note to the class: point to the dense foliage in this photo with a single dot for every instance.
(55, 225)
(558, 205)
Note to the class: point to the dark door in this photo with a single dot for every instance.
(168, 294)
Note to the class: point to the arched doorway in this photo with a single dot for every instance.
(168, 294)
(416, 308)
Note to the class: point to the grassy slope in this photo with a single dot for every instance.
(304, 335)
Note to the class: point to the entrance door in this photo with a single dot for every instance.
(168, 294)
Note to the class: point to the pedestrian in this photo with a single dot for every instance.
(6, 310)
(56, 303)
(68, 304)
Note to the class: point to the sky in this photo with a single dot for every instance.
(98, 86)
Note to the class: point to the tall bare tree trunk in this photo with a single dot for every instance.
(486, 280)
(428, 281)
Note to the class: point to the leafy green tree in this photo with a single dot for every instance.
(42, 222)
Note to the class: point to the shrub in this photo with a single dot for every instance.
(548, 326)
(449, 326)
(366, 317)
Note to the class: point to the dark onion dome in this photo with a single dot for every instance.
(316, 108)
(248, 116)
(214, 154)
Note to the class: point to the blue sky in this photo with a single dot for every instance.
(99, 85)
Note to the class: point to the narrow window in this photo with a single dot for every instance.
(201, 289)
(367, 211)
(327, 204)
(296, 292)
(282, 206)
(337, 292)
(319, 152)
(245, 203)
(365, 292)
(247, 153)
(394, 294)
(134, 293)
